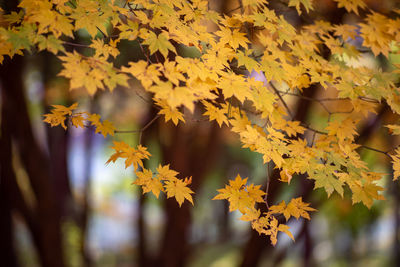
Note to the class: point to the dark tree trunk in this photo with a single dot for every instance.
(34, 161)
(191, 154)
(7, 249)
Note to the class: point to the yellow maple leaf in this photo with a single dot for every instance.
(306, 3)
(77, 120)
(104, 49)
(215, 113)
(64, 109)
(351, 5)
(170, 113)
(396, 164)
(132, 156)
(366, 193)
(55, 118)
(240, 197)
(178, 189)
(345, 129)
(58, 115)
(234, 85)
(234, 38)
(159, 43)
(250, 215)
(147, 75)
(393, 129)
(346, 31)
(165, 173)
(376, 33)
(105, 128)
(148, 183)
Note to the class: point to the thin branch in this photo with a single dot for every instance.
(144, 53)
(75, 44)
(147, 126)
(236, 8)
(376, 150)
(267, 187)
(367, 99)
(127, 131)
(104, 35)
(312, 129)
(283, 101)
(144, 99)
(361, 146)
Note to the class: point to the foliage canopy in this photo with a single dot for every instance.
(233, 50)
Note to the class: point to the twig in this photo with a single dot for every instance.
(147, 126)
(127, 131)
(267, 187)
(283, 101)
(236, 8)
(74, 44)
(375, 149)
(361, 146)
(364, 98)
(144, 53)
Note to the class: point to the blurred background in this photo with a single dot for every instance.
(60, 201)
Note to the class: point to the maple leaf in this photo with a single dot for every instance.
(234, 38)
(296, 208)
(165, 173)
(55, 118)
(375, 34)
(159, 43)
(132, 156)
(324, 177)
(148, 182)
(255, 193)
(170, 113)
(178, 189)
(396, 164)
(58, 115)
(240, 197)
(65, 110)
(306, 3)
(146, 74)
(284, 228)
(174, 96)
(250, 215)
(94, 119)
(351, 5)
(394, 129)
(235, 85)
(248, 62)
(77, 120)
(342, 129)
(285, 176)
(215, 113)
(87, 17)
(105, 128)
(104, 49)
(366, 193)
(346, 31)
(50, 43)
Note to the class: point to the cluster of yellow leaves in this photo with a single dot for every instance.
(61, 113)
(224, 77)
(164, 181)
(131, 155)
(244, 199)
(92, 73)
(396, 164)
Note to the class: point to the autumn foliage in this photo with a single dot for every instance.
(248, 62)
